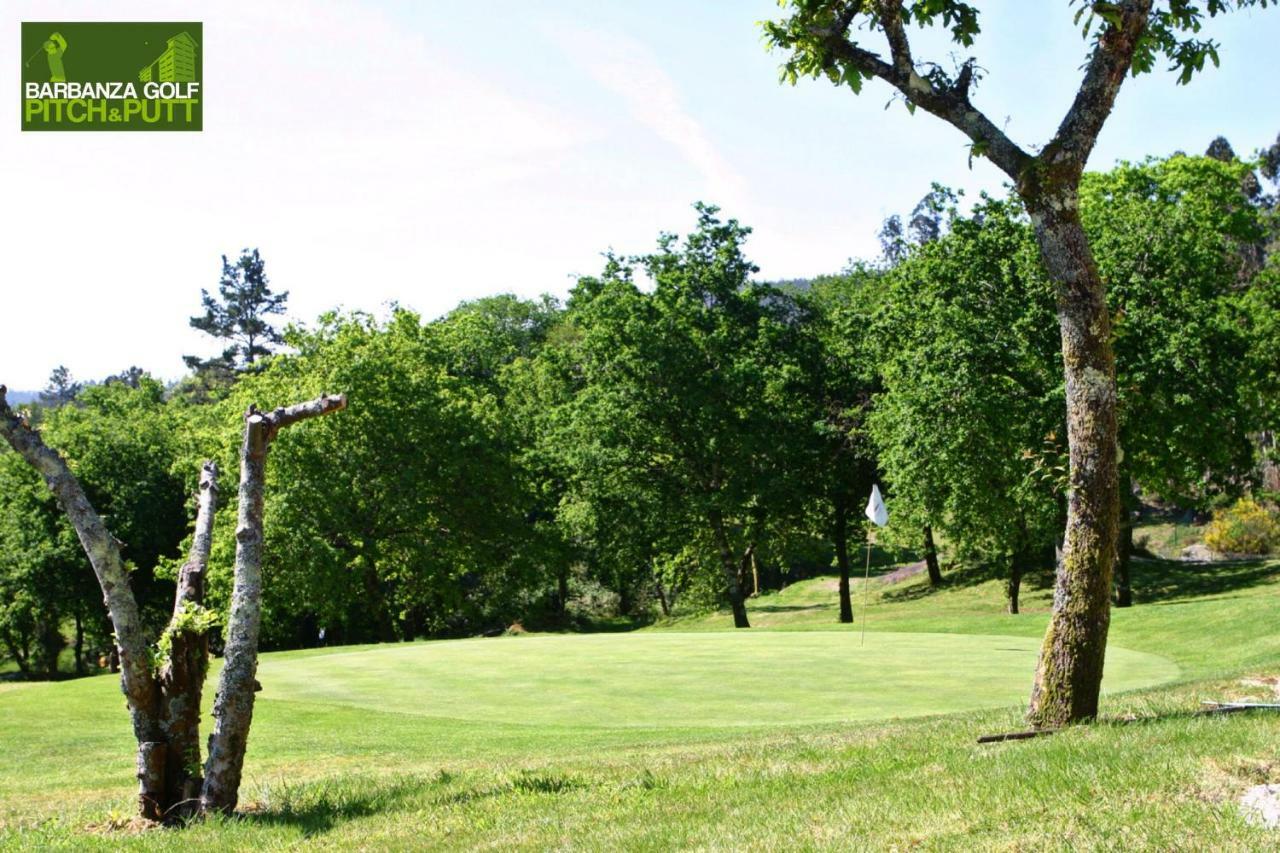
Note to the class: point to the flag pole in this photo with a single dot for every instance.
(879, 517)
(866, 584)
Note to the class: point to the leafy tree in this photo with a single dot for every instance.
(968, 426)
(972, 390)
(61, 388)
(43, 581)
(840, 377)
(407, 516)
(681, 398)
(239, 314)
(120, 441)
(131, 376)
(1129, 36)
(927, 223)
(1172, 239)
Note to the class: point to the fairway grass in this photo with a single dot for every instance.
(793, 734)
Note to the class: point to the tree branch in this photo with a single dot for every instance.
(950, 104)
(191, 577)
(1110, 62)
(288, 415)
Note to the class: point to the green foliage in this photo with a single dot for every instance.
(406, 516)
(1190, 327)
(1246, 527)
(120, 442)
(192, 619)
(810, 27)
(968, 427)
(672, 417)
(972, 382)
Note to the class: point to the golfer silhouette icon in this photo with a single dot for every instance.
(54, 48)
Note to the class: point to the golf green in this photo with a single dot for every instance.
(652, 680)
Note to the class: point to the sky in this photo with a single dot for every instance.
(424, 153)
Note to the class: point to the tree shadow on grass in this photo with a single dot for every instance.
(1166, 581)
(963, 575)
(315, 807)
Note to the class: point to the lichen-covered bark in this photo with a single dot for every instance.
(182, 674)
(233, 704)
(140, 689)
(1069, 676)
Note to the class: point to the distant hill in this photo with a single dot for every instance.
(16, 397)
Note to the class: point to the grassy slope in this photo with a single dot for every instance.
(339, 774)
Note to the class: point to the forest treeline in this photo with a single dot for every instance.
(675, 434)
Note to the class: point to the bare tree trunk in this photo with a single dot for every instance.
(79, 649)
(233, 705)
(182, 675)
(49, 643)
(1069, 676)
(1014, 584)
(840, 535)
(729, 566)
(931, 557)
(18, 651)
(662, 598)
(562, 594)
(140, 689)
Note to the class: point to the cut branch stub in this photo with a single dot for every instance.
(233, 705)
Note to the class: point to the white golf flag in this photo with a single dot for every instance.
(875, 508)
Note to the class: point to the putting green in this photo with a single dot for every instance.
(662, 680)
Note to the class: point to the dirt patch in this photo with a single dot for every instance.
(903, 572)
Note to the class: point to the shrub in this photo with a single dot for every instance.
(1246, 527)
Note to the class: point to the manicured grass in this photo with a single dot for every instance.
(719, 739)
(708, 680)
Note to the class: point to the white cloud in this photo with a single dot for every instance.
(358, 155)
(630, 70)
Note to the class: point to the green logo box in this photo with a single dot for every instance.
(91, 75)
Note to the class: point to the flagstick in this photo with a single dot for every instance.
(866, 583)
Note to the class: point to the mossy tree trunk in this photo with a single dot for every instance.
(182, 675)
(1069, 675)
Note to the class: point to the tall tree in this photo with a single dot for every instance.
(61, 388)
(971, 388)
(1128, 36)
(239, 314)
(681, 397)
(840, 377)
